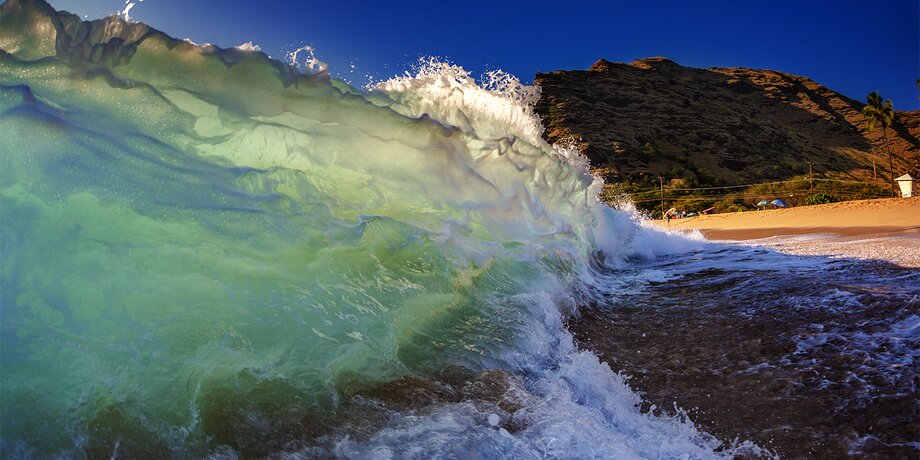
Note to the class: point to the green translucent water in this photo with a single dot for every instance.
(188, 230)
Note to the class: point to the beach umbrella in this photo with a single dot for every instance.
(779, 203)
(763, 203)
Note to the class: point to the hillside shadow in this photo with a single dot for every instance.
(700, 116)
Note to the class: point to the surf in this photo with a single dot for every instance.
(207, 252)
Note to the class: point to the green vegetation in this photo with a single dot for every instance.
(880, 114)
(819, 198)
(689, 196)
(733, 203)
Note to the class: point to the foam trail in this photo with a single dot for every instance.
(196, 237)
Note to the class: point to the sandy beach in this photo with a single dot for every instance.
(885, 229)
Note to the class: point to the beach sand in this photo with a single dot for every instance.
(884, 229)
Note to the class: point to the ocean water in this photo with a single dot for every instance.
(208, 253)
(806, 356)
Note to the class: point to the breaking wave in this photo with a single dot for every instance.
(204, 248)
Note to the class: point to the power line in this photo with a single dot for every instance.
(726, 187)
(837, 192)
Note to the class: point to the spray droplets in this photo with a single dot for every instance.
(309, 65)
(127, 10)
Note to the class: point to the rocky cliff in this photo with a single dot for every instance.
(719, 125)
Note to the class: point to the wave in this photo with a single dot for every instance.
(200, 242)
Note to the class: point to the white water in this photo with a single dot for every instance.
(181, 222)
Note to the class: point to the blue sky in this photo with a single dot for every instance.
(850, 46)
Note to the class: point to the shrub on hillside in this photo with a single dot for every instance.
(730, 204)
(819, 198)
(695, 205)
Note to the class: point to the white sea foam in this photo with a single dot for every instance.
(576, 406)
(248, 46)
(129, 4)
(309, 63)
(199, 229)
(903, 250)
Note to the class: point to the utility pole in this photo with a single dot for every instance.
(811, 183)
(661, 195)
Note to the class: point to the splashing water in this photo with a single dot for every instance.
(126, 12)
(310, 65)
(194, 236)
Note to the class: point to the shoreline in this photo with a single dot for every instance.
(840, 232)
(882, 229)
(880, 215)
(803, 357)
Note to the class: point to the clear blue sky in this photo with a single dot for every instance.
(850, 46)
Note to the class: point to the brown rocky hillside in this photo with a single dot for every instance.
(719, 125)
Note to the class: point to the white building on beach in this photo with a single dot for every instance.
(907, 185)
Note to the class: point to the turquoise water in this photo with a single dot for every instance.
(190, 232)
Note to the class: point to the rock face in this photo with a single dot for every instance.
(720, 125)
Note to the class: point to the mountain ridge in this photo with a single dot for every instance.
(722, 125)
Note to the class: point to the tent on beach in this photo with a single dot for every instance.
(779, 203)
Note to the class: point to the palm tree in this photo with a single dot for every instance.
(880, 114)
